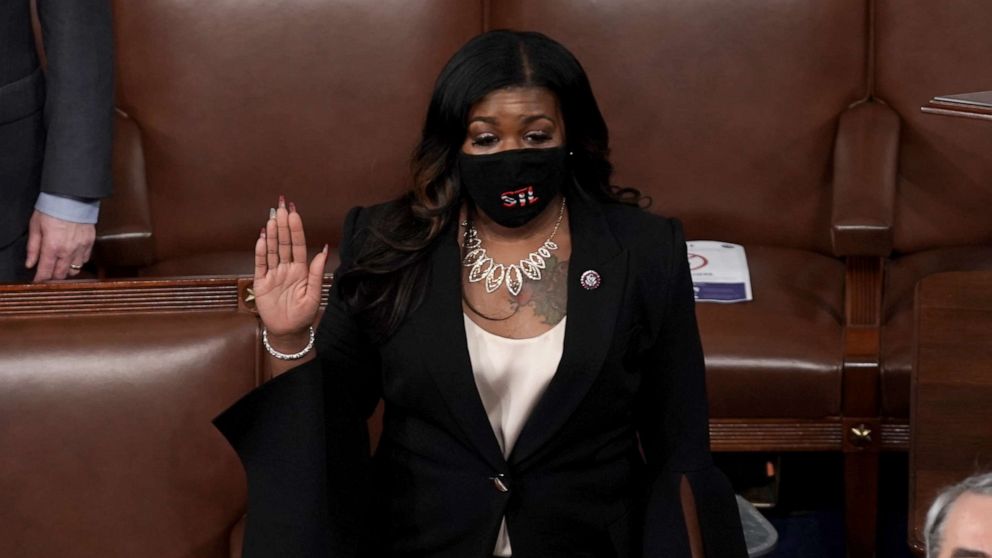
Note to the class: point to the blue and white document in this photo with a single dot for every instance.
(719, 271)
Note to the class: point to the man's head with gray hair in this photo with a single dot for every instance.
(944, 505)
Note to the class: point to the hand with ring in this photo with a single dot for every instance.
(57, 247)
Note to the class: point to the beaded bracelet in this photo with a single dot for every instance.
(283, 356)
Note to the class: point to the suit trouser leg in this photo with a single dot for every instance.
(12, 258)
(22, 144)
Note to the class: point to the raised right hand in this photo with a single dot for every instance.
(287, 291)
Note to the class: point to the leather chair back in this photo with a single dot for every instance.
(725, 112)
(925, 49)
(238, 102)
(106, 445)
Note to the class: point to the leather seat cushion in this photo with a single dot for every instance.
(901, 276)
(779, 355)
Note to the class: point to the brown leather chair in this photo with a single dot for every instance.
(224, 106)
(106, 396)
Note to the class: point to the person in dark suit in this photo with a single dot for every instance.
(55, 135)
(530, 329)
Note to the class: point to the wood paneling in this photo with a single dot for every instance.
(951, 408)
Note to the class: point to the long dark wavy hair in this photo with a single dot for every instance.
(388, 277)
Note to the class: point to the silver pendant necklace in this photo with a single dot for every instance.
(483, 268)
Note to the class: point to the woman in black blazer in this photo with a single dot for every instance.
(612, 458)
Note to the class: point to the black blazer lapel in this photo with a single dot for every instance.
(591, 318)
(441, 328)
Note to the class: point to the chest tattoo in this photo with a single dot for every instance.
(549, 296)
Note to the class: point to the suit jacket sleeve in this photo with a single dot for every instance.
(673, 426)
(303, 441)
(78, 39)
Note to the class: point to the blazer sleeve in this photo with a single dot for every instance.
(79, 103)
(303, 441)
(691, 506)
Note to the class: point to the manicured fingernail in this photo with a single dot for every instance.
(325, 249)
(292, 207)
(262, 233)
(272, 213)
(282, 201)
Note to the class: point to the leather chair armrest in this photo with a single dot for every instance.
(865, 168)
(124, 233)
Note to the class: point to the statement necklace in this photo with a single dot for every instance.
(483, 268)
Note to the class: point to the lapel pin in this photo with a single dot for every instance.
(590, 280)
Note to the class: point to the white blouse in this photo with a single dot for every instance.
(511, 376)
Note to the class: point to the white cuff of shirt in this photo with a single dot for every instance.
(76, 210)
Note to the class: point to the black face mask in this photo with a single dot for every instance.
(513, 187)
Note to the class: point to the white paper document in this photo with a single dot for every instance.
(719, 271)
